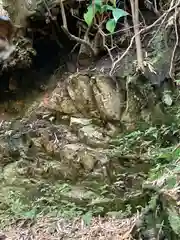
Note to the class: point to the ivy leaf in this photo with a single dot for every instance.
(107, 7)
(110, 25)
(91, 12)
(118, 13)
(113, 2)
(89, 15)
(98, 2)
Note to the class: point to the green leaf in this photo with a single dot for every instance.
(176, 153)
(30, 214)
(118, 13)
(107, 7)
(174, 220)
(89, 15)
(171, 182)
(177, 81)
(87, 217)
(91, 12)
(113, 2)
(98, 2)
(110, 25)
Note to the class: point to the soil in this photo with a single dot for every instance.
(55, 229)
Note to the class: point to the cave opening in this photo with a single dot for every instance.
(52, 45)
(53, 49)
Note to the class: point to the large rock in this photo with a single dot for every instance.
(89, 96)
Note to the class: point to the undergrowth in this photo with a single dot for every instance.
(158, 144)
(153, 142)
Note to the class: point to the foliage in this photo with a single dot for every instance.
(100, 11)
(152, 141)
(51, 200)
(174, 220)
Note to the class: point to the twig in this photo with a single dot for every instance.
(105, 46)
(175, 46)
(52, 19)
(71, 36)
(74, 48)
(163, 21)
(56, 139)
(141, 31)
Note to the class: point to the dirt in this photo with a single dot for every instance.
(57, 228)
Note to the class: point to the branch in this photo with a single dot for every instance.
(135, 16)
(114, 65)
(71, 36)
(176, 44)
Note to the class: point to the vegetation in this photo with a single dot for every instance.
(99, 12)
(52, 166)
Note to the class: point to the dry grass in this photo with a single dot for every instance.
(57, 229)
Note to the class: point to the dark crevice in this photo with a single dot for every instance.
(53, 48)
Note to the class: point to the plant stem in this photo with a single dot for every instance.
(135, 16)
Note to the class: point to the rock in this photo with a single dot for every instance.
(6, 28)
(19, 10)
(108, 98)
(93, 136)
(79, 195)
(78, 154)
(16, 174)
(81, 95)
(61, 102)
(81, 157)
(80, 91)
(77, 123)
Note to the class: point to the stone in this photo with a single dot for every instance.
(108, 99)
(76, 123)
(16, 174)
(80, 91)
(61, 102)
(93, 136)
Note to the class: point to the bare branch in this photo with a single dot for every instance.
(135, 16)
(114, 65)
(176, 44)
(71, 36)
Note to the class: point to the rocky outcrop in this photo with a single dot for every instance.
(62, 152)
(67, 138)
(86, 95)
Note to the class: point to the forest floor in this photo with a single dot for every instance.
(51, 228)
